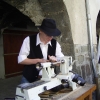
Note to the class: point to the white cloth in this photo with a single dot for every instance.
(25, 48)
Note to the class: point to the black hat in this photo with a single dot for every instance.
(48, 26)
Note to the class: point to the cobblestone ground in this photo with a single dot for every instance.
(8, 87)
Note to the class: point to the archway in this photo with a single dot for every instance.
(31, 14)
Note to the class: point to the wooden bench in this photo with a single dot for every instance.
(81, 93)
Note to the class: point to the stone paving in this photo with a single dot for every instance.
(8, 87)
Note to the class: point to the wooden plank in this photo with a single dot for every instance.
(86, 91)
(81, 93)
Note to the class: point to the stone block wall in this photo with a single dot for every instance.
(83, 64)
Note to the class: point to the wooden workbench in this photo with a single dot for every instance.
(81, 93)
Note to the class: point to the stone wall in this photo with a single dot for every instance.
(30, 8)
(83, 66)
(60, 15)
(38, 9)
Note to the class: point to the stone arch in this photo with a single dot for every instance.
(98, 24)
(98, 33)
(56, 9)
(36, 10)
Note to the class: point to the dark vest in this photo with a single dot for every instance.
(30, 72)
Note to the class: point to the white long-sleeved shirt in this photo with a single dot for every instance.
(25, 49)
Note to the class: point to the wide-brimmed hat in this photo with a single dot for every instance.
(48, 26)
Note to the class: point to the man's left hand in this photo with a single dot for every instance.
(52, 58)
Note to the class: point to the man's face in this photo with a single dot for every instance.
(49, 38)
(45, 36)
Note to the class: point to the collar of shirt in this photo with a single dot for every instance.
(39, 41)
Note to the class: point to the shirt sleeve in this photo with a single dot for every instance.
(24, 51)
(59, 51)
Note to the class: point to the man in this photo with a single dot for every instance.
(39, 48)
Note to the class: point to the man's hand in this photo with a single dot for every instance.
(52, 58)
(43, 60)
